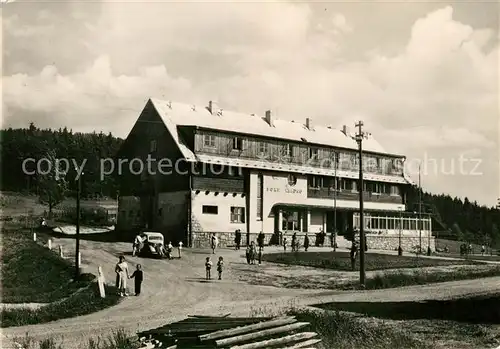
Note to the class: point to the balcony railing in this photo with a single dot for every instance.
(328, 193)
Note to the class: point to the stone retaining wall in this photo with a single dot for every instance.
(202, 239)
(377, 242)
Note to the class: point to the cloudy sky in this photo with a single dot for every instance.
(423, 76)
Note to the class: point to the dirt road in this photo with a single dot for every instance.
(173, 289)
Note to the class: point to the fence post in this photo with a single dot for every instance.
(34, 236)
(80, 259)
(50, 244)
(100, 282)
(61, 251)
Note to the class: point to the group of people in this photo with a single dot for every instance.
(122, 275)
(208, 267)
(162, 250)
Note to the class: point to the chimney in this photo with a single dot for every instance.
(309, 124)
(345, 130)
(269, 118)
(211, 107)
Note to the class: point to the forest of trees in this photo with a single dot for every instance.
(460, 219)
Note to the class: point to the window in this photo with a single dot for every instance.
(288, 150)
(292, 180)
(262, 148)
(315, 182)
(210, 209)
(313, 153)
(395, 190)
(209, 141)
(260, 190)
(237, 215)
(237, 143)
(152, 146)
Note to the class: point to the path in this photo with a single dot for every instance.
(173, 289)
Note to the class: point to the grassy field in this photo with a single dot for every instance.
(342, 261)
(33, 274)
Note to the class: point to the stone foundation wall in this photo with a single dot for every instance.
(408, 244)
(202, 239)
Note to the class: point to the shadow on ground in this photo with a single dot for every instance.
(475, 310)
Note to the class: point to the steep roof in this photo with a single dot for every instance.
(179, 114)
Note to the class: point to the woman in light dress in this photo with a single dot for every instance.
(122, 275)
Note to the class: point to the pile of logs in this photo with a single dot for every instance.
(199, 332)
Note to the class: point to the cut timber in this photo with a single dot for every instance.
(245, 329)
(304, 344)
(260, 334)
(208, 316)
(277, 341)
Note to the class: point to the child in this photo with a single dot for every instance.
(248, 252)
(208, 267)
(139, 276)
(220, 264)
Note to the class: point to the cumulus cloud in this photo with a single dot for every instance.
(439, 92)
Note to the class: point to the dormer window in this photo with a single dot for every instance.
(313, 153)
(237, 143)
(209, 141)
(262, 148)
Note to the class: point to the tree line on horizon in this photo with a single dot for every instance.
(455, 218)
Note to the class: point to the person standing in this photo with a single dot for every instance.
(306, 242)
(213, 243)
(170, 249)
(248, 252)
(180, 248)
(284, 244)
(220, 266)
(208, 268)
(136, 245)
(353, 255)
(260, 240)
(121, 269)
(238, 239)
(294, 242)
(138, 276)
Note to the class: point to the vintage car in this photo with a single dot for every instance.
(153, 244)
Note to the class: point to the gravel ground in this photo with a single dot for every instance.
(176, 288)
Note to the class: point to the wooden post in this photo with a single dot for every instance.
(100, 282)
(79, 259)
(61, 251)
(34, 237)
(50, 244)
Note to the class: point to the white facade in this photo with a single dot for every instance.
(214, 213)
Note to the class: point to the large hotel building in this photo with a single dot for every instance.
(221, 171)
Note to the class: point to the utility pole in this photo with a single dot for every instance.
(419, 209)
(400, 248)
(77, 252)
(335, 207)
(359, 139)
